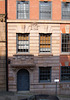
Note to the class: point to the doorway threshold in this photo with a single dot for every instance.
(23, 92)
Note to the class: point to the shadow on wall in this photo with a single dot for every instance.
(2, 73)
(42, 97)
(31, 62)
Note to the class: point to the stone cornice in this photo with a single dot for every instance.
(2, 17)
(40, 21)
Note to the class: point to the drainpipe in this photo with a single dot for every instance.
(6, 45)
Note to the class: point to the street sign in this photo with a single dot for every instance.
(56, 80)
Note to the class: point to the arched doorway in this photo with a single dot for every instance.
(23, 80)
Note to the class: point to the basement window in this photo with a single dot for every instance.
(44, 74)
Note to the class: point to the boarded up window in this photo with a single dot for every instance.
(45, 10)
(45, 42)
(22, 9)
(22, 42)
(66, 10)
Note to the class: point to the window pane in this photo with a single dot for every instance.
(65, 42)
(65, 73)
(45, 42)
(66, 10)
(45, 10)
(23, 9)
(23, 42)
(45, 74)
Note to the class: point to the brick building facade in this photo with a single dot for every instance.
(38, 45)
(2, 47)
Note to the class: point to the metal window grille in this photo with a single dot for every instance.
(65, 42)
(65, 73)
(45, 10)
(66, 10)
(45, 42)
(45, 74)
(23, 42)
(23, 9)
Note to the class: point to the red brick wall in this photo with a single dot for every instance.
(34, 9)
(64, 59)
(11, 9)
(62, 27)
(56, 9)
(2, 6)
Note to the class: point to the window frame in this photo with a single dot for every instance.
(39, 10)
(50, 43)
(45, 81)
(61, 11)
(17, 11)
(17, 43)
(61, 74)
(61, 44)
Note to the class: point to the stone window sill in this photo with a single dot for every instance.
(45, 54)
(64, 54)
(23, 54)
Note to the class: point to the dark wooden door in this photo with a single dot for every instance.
(23, 80)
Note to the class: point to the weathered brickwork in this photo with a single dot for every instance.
(32, 60)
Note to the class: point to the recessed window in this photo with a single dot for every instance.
(65, 73)
(65, 42)
(22, 9)
(66, 10)
(45, 10)
(45, 42)
(44, 74)
(23, 42)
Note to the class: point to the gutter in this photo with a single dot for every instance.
(6, 45)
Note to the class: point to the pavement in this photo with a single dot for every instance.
(64, 97)
(20, 96)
